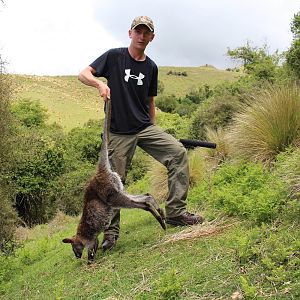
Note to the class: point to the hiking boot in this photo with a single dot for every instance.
(185, 219)
(109, 242)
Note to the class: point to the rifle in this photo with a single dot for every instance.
(191, 144)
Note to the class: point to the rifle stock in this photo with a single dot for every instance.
(190, 144)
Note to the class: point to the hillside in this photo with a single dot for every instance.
(72, 104)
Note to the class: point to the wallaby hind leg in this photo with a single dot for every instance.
(145, 202)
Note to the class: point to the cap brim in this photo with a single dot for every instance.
(151, 29)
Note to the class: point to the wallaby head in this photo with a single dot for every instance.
(77, 245)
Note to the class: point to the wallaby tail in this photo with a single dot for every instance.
(103, 159)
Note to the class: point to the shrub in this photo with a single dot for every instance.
(139, 166)
(288, 168)
(8, 218)
(185, 107)
(246, 190)
(30, 113)
(85, 143)
(215, 113)
(7, 214)
(269, 256)
(268, 124)
(167, 103)
(169, 286)
(219, 137)
(38, 161)
(68, 189)
(174, 124)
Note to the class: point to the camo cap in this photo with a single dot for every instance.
(143, 20)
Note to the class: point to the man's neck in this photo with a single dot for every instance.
(136, 54)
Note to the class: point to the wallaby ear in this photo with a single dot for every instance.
(67, 240)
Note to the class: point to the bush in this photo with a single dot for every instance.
(39, 159)
(268, 124)
(174, 124)
(245, 190)
(8, 218)
(67, 190)
(167, 103)
(7, 214)
(215, 113)
(270, 260)
(30, 113)
(139, 166)
(84, 143)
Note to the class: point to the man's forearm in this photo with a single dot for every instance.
(86, 76)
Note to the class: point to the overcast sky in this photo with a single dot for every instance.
(61, 37)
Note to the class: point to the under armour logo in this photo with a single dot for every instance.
(138, 78)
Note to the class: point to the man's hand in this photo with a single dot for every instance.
(86, 76)
(104, 90)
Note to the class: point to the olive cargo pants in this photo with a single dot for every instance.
(164, 148)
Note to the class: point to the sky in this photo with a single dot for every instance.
(62, 37)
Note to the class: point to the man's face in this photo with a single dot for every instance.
(141, 36)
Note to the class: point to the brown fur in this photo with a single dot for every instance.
(104, 193)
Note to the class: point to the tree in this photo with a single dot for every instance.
(7, 213)
(257, 61)
(293, 54)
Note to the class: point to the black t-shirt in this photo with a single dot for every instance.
(131, 84)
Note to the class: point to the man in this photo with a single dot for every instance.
(132, 86)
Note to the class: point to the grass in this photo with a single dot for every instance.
(268, 125)
(142, 266)
(196, 76)
(71, 103)
(215, 260)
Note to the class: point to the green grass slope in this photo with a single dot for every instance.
(196, 76)
(147, 263)
(71, 103)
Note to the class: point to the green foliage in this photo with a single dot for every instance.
(174, 124)
(8, 220)
(288, 168)
(160, 87)
(167, 103)
(268, 124)
(256, 61)
(29, 113)
(184, 106)
(216, 113)
(273, 254)
(7, 214)
(201, 94)
(84, 143)
(248, 290)
(245, 190)
(139, 166)
(67, 190)
(293, 54)
(39, 159)
(169, 285)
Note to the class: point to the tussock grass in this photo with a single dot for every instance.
(268, 124)
(159, 178)
(288, 168)
(220, 138)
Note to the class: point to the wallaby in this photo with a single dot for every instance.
(104, 193)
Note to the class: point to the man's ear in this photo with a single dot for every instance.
(129, 33)
(68, 241)
(153, 35)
